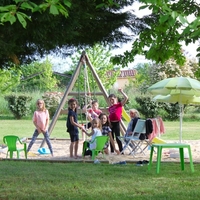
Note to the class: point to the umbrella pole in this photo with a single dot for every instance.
(181, 120)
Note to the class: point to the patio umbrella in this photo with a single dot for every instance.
(177, 85)
(181, 99)
(180, 90)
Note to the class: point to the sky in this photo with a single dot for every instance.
(62, 65)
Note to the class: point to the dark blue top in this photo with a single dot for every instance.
(70, 127)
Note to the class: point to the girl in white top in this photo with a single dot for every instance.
(96, 131)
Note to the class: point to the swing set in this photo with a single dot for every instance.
(83, 62)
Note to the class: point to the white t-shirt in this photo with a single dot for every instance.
(97, 132)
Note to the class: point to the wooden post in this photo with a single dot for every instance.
(64, 99)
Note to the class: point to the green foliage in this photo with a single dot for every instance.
(18, 105)
(142, 78)
(37, 76)
(169, 25)
(148, 108)
(151, 109)
(63, 78)
(17, 10)
(55, 26)
(172, 111)
(100, 59)
(52, 100)
(148, 74)
(171, 69)
(4, 111)
(9, 79)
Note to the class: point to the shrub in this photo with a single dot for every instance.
(52, 101)
(18, 105)
(173, 110)
(151, 109)
(148, 108)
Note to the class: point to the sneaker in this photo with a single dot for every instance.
(96, 161)
(139, 163)
(120, 163)
(145, 162)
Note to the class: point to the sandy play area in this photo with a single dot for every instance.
(61, 152)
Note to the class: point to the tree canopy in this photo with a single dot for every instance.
(30, 29)
(35, 29)
(170, 24)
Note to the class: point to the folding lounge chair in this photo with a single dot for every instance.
(141, 140)
(134, 143)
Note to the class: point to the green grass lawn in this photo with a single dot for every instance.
(25, 128)
(88, 181)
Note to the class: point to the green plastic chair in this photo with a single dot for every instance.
(100, 143)
(11, 142)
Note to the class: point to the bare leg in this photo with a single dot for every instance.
(76, 149)
(71, 147)
(106, 151)
(83, 136)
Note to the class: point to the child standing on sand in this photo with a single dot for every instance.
(115, 114)
(41, 122)
(72, 127)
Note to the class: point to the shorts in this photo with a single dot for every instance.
(73, 136)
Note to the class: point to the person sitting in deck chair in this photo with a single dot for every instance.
(134, 115)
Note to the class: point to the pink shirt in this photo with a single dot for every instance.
(40, 118)
(98, 112)
(115, 112)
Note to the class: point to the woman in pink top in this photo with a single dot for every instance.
(41, 122)
(115, 114)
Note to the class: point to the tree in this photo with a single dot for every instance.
(167, 27)
(142, 78)
(153, 72)
(9, 78)
(80, 23)
(170, 69)
(37, 76)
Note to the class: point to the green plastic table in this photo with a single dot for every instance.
(180, 146)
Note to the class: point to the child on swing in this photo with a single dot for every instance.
(92, 112)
